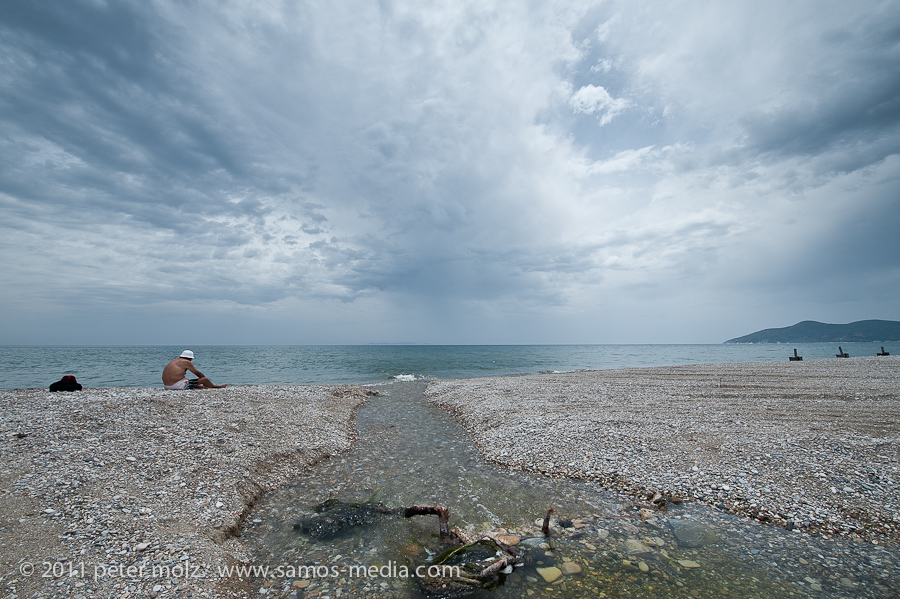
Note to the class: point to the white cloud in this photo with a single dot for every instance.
(590, 99)
(623, 161)
(603, 66)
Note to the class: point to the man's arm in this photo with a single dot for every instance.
(193, 369)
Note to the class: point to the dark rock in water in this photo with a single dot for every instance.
(692, 534)
(333, 517)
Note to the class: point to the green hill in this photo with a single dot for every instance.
(810, 331)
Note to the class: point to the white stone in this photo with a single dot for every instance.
(549, 574)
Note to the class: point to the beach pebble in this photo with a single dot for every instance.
(549, 574)
(629, 566)
(692, 534)
(633, 546)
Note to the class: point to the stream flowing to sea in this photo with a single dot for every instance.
(411, 453)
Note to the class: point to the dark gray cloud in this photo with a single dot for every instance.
(356, 172)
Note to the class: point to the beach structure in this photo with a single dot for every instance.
(841, 353)
(795, 357)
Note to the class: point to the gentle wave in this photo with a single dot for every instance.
(408, 377)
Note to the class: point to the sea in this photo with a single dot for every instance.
(30, 366)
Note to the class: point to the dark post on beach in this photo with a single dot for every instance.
(795, 357)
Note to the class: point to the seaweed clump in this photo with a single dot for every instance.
(332, 518)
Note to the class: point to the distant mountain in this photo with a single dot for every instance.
(810, 331)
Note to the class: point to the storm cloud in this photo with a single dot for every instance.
(447, 172)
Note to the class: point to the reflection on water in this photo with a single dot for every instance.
(410, 453)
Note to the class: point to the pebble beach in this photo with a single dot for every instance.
(803, 445)
(102, 480)
(140, 492)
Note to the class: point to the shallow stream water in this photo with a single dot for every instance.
(410, 453)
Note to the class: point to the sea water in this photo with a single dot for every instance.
(141, 366)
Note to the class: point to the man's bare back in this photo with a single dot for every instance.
(174, 374)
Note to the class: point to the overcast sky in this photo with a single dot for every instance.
(450, 171)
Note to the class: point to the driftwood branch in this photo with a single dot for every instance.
(494, 568)
(507, 548)
(546, 527)
(440, 511)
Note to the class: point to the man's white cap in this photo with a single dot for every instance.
(187, 354)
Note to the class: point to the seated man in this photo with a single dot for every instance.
(174, 374)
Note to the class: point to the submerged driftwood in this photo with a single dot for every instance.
(440, 511)
(464, 569)
(467, 563)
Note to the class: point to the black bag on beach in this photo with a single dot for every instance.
(66, 383)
